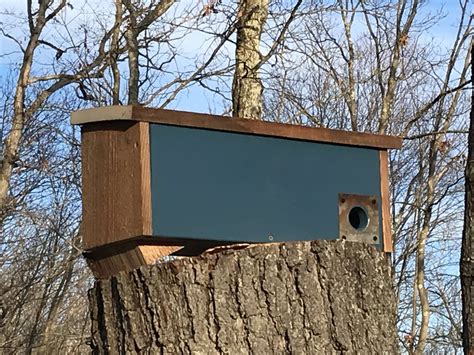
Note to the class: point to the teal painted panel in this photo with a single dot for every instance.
(237, 187)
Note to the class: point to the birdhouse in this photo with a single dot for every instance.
(159, 182)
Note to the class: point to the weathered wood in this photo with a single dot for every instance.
(214, 122)
(113, 155)
(385, 195)
(317, 297)
(128, 260)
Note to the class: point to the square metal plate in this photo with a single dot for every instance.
(359, 218)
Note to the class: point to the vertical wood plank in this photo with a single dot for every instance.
(144, 133)
(116, 182)
(117, 195)
(385, 194)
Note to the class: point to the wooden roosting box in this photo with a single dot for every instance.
(158, 182)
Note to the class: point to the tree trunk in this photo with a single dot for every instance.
(305, 298)
(467, 257)
(247, 86)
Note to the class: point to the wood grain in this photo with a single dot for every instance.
(117, 196)
(179, 246)
(239, 125)
(385, 195)
(116, 182)
(128, 259)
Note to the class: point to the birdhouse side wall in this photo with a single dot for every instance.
(116, 182)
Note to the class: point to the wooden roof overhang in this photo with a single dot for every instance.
(236, 125)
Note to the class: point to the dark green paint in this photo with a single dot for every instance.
(230, 186)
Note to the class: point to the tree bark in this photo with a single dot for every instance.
(467, 248)
(247, 86)
(303, 298)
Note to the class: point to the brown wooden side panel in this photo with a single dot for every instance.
(385, 193)
(116, 182)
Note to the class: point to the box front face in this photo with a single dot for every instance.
(116, 181)
(237, 187)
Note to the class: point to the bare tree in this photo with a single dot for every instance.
(139, 20)
(40, 182)
(382, 80)
(468, 234)
(247, 87)
(358, 65)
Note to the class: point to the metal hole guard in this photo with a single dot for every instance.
(359, 218)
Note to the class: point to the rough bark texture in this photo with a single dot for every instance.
(301, 298)
(247, 86)
(467, 249)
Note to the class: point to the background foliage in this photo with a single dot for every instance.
(385, 66)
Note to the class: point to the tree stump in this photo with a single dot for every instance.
(301, 298)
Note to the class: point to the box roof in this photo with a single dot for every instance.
(238, 125)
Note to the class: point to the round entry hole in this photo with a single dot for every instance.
(358, 218)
